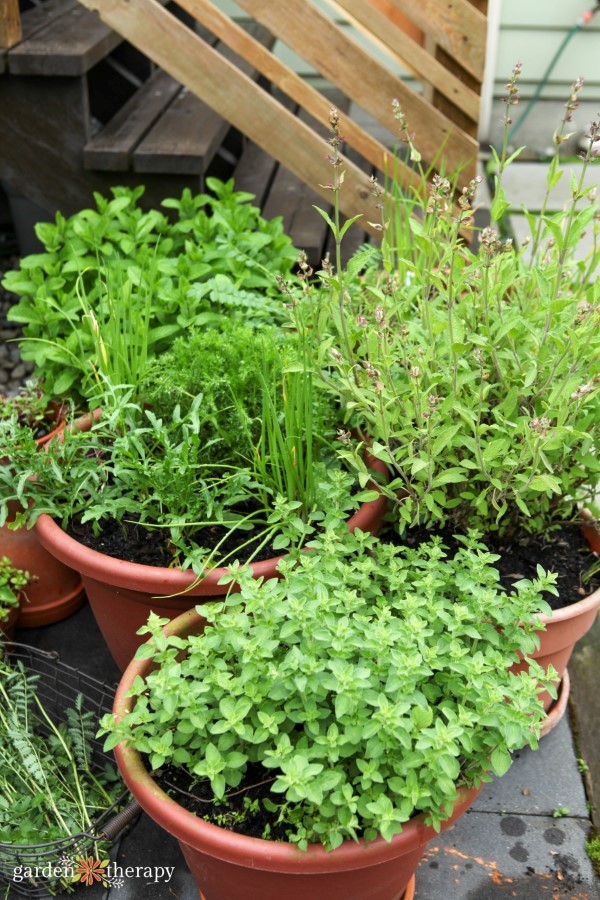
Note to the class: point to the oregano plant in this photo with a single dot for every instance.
(369, 683)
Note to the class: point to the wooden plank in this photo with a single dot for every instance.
(295, 201)
(256, 169)
(234, 96)
(361, 77)
(254, 172)
(36, 18)
(410, 54)
(187, 136)
(287, 81)
(466, 124)
(112, 148)
(10, 23)
(184, 139)
(41, 153)
(69, 45)
(453, 24)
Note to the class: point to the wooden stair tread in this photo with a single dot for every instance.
(33, 20)
(112, 148)
(67, 43)
(189, 133)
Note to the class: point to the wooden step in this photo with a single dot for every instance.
(189, 133)
(33, 20)
(163, 128)
(111, 150)
(66, 40)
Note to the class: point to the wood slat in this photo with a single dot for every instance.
(287, 81)
(112, 148)
(10, 23)
(236, 97)
(69, 44)
(295, 201)
(186, 138)
(411, 54)
(361, 77)
(254, 172)
(34, 19)
(455, 25)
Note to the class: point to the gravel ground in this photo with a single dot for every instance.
(13, 372)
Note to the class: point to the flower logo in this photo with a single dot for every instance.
(91, 870)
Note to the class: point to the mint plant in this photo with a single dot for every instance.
(117, 280)
(369, 683)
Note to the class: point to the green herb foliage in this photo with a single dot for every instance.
(369, 682)
(12, 582)
(224, 366)
(118, 267)
(161, 472)
(474, 369)
(49, 788)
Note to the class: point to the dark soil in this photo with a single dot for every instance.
(150, 546)
(563, 550)
(231, 813)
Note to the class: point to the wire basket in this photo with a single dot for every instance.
(58, 687)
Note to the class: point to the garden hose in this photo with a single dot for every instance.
(586, 17)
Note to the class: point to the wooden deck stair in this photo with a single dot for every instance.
(83, 107)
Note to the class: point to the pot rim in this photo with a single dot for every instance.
(242, 849)
(586, 604)
(140, 577)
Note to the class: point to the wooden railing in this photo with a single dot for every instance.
(445, 51)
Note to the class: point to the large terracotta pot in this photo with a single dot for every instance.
(122, 594)
(567, 625)
(58, 592)
(229, 866)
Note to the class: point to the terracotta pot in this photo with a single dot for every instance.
(58, 592)
(229, 866)
(559, 706)
(567, 625)
(122, 594)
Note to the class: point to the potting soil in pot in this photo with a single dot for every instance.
(564, 551)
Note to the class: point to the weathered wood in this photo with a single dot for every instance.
(187, 136)
(361, 77)
(455, 25)
(112, 148)
(411, 54)
(69, 44)
(254, 172)
(32, 20)
(234, 96)
(184, 139)
(41, 151)
(441, 101)
(295, 201)
(287, 81)
(10, 23)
